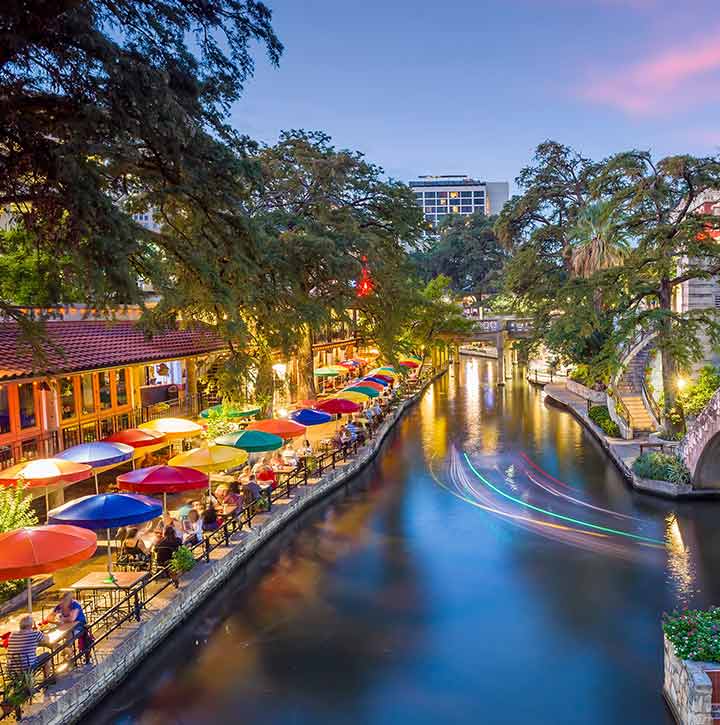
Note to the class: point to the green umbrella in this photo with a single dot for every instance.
(232, 411)
(252, 441)
(371, 392)
(330, 372)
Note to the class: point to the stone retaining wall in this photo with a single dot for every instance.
(196, 586)
(594, 396)
(687, 688)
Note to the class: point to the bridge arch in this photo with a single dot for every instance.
(700, 449)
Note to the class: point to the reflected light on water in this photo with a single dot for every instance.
(680, 567)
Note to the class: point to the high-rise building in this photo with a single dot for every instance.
(439, 196)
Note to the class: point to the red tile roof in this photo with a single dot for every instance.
(78, 345)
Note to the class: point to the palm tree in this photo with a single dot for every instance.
(597, 241)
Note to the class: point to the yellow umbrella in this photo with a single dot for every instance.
(173, 428)
(351, 395)
(210, 458)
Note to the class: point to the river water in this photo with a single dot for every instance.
(490, 566)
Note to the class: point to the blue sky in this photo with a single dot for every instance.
(472, 86)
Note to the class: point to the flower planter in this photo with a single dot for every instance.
(688, 689)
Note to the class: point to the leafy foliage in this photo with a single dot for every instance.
(600, 415)
(182, 560)
(694, 633)
(662, 467)
(15, 512)
(466, 251)
(698, 394)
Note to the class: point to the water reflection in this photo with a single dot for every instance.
(490, 557)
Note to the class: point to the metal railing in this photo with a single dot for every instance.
(129, 608)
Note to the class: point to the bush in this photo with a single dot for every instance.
(600, 415)
(695, 633)
(182, 560)
(585, 376)
(694, 399)
(662, 467)
(15, 512)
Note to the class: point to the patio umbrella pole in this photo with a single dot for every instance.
(29, 585)
(110, 578)
(97, 488)
(164, 502)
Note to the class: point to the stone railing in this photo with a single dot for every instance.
(705, 428)
(594, 396)
(687, 688)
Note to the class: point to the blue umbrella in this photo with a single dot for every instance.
(308, 416)
(106, 511)
(98, 455)
(379, 381)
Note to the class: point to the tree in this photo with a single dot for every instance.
(466, 251)
(597, 242)
(16, 511)
(110, 108)
(659, 205)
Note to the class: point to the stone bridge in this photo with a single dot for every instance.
(700, 449)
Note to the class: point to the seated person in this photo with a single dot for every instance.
(245, 474)
(345, 436)
(133, 542)
(260, 465)
(276, 461)
(266, 474)
(22, 648)
(69, 611)
(232, 503)
(251, 491)
(306, 449)
(220, 493)
(165, 548)
(289, 455)
(210, 518)
(169, 520)
(193, 528)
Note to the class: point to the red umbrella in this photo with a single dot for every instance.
(43, 549)
(137, 438)
(163, 479)
(279, 426)
(338, 406)
(409, 364)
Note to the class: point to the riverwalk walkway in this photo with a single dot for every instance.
(146, 614)
(622, 452)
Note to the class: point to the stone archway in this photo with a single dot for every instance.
(700, 448)
(707, 469)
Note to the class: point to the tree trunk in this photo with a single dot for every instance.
(672, 417)
(265, 384)
(306, 382)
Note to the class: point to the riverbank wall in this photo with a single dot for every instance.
(173, 606)
(621, 452)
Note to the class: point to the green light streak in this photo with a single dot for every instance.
(558, 516)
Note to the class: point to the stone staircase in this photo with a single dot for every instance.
(629, 387)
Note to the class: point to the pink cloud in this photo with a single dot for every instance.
(661, 82)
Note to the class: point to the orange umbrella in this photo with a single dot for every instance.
(35, 550)
(279, 426)
(45, 472)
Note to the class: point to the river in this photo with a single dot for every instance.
(490, 566)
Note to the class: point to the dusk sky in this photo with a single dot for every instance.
(471, 86)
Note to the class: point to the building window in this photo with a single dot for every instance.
(454, 194)
(86, 394)
(104, 390)
(68, 408)
(121, 396)
(455, 209)
(26, 400)
(4, 410)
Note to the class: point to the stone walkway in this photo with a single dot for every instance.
(622, 452)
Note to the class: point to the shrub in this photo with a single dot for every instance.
(694, 633)
(694, 399)
(600, 415)
(15, 512)
(182, 560)
(662, 467)
(584, 375)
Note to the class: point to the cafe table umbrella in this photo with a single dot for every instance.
(380, 377)
(252, 441)
(339, 406)
(99, 455)
(172, 428)
(365, 390)
(142, 441)
(369, 384)
(231, 411)
(153, 480)
(351, 395)
(282, 427)
(45, 472)
(210, 458)
(106, 511)
(329, 372)
(409, 364)
(382, 382)
(308, 417)
(33, 550)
